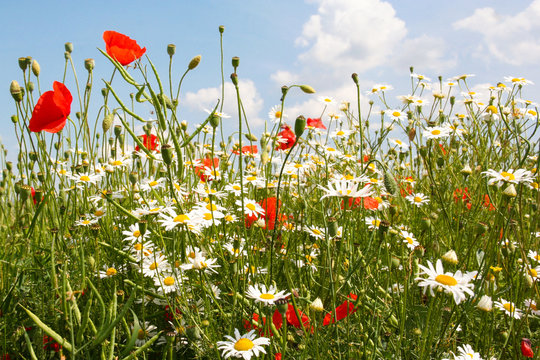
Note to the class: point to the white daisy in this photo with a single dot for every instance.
(437, 132)
(243, 346)
(457, 284)
(509, 308)
(345, 188)
(510, 176)
(417, 199)
(266, 296)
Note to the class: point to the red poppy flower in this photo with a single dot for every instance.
(50, 344)
(316, 123)
(207, 163)
(277, 356)
(122, 48)
(526, 349)
(150, 142)
(342, 311)
(487, 203)
(248, 149)
(52, 110)
(288, 137)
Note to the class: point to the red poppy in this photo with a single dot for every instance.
(342, 311)
(292, 319)
(526, 349)
(487, 203)
(150, 142)
(277, 356)
(52, 110)
(287, 136)
(316, 123)
(276, 320)
(122, 48)
(206, 164)
(270, 206)
(248, 149)
(50, 344)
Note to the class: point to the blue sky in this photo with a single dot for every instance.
(317, 42)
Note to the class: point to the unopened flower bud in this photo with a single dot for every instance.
(89, 64)
(35, 68)
(171, 49)
(485, 303)
(117, 130)
(317, 305)
(466, 170)
(450, 257)
(214, 121)
(307, 89)
(107, 122)
(510, 191)
(234, 79)
(68, 47)
(31, 86)
(251, 137)
(194, 62)
(167, 153)
(355, 78)
(390, 183)
(16, 91)
(221, 29)
(299, 126)
(14, 119)
(183, 125)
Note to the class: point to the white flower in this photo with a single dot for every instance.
(457, 284)
(275, 114)
(345, 188)
(485, 303)
(437, 132)
(409, 239)
(466, 352)
(396, 114)
(509, 308)
(417, 199)
(510, 176)
(266, 296)
(243, 346)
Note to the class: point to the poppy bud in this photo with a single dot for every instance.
(117, 130)
(104, 92)
(31, 86)
(214, 121)
(526, 348)
(251, 137)
(22, 63)
(332, 227)
(307, 89)
(221, 29)
(234, 79)
(235, 62)
(450, 257)
(166, 153)
(35, 68)
(133, 177)
(390, 183)
(89, 64)
(282, 306)
(299, 126)
(452, 100)
(466, 170)
(68, 47)
(107, 122)
(143, 225)
(171, 49)
(16, 91)
(194, 62)
(14, 119)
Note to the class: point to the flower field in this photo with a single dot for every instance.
(405, 228)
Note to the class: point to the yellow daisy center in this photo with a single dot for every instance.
(508, 175)
(409, 240)
(435, 132)
(117, 163)
(153, 266)
(153, 183)
(533, 272)
(138, 246)
(417, 199)
(376, 222)
(251, 207)
(243, 344)
(267, 296)
(277, 114)
(446, 280)
(229, 218)
(110, 272)
(251, 178)
(98, 213)
(181, 218)
(330, 149)
(211, 207)
(136, 233)
(396, 113)
(86, 222)
(168, 281)
(508, 307)
(533, 307)
(207, 216)
(340, 133)
(84, 178)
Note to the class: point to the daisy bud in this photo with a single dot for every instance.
(221, 29)
(35, 68)
(332, 227)
(265, 157)
(355, 78)
(183, 125)
(194, 62)
(299, 126)
(171, 49)
(452, 100)
(510, 191)
(251, 137)
(485, 303)
(16, 91)
(450, 257)
(234, 79)
(68, 47)
(89, 64)
(466, 170)
(166, 153)
(317, 305)
(307, 89)
(9, 166)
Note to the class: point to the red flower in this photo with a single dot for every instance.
(292, 319)
(342, 311)
(52, 110)
(316, 123)
(122, 48)
(150, 142)
(287, 136)
(277, 356)
(50, 344)
(442, 148)
(269, 205)
(277, 320)
(207, 164)
(526, 349)
(487, 203)
(248, 149)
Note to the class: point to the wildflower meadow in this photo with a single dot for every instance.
(395, 228)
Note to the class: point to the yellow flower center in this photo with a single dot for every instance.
(251, 207)
(267, 296)
(376, 223)
(138, 246)
(379, 200)
(446, 280)
(396, 113)
(191, 255)
(207, 216)
(211, 207)
(98, 213)
(110, 272)
(330, 149)
(181, 218)
(508, 307)
(251, 178)
(86, 222)
(136, 233)
(417, 199)
(117, 163)
(435, 132)
(328, 100)
(508, 175)
(317, 231)
(168, 281)
(84, 178)
(244, 344)
(229, 218)
(153, 183)
(153, 266)
(236, 187)
(340, 133)
(516, 79)
(277, 114)
(533, 273)
(409, 240)
(141, 334)
(399, 142)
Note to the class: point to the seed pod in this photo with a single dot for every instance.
(35, 68)
(167, 154)
(390, 183)
(307, 89)
(299, 126)
(107, 122)
(16, 91)
(235, 62)
(89, 64)
(68, 47)
(214, 121)
(171, 49)
(194, 62)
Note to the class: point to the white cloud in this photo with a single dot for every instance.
(352, 35)
(283, 77)
(512, 39)
(207, 98)
(424, 53)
